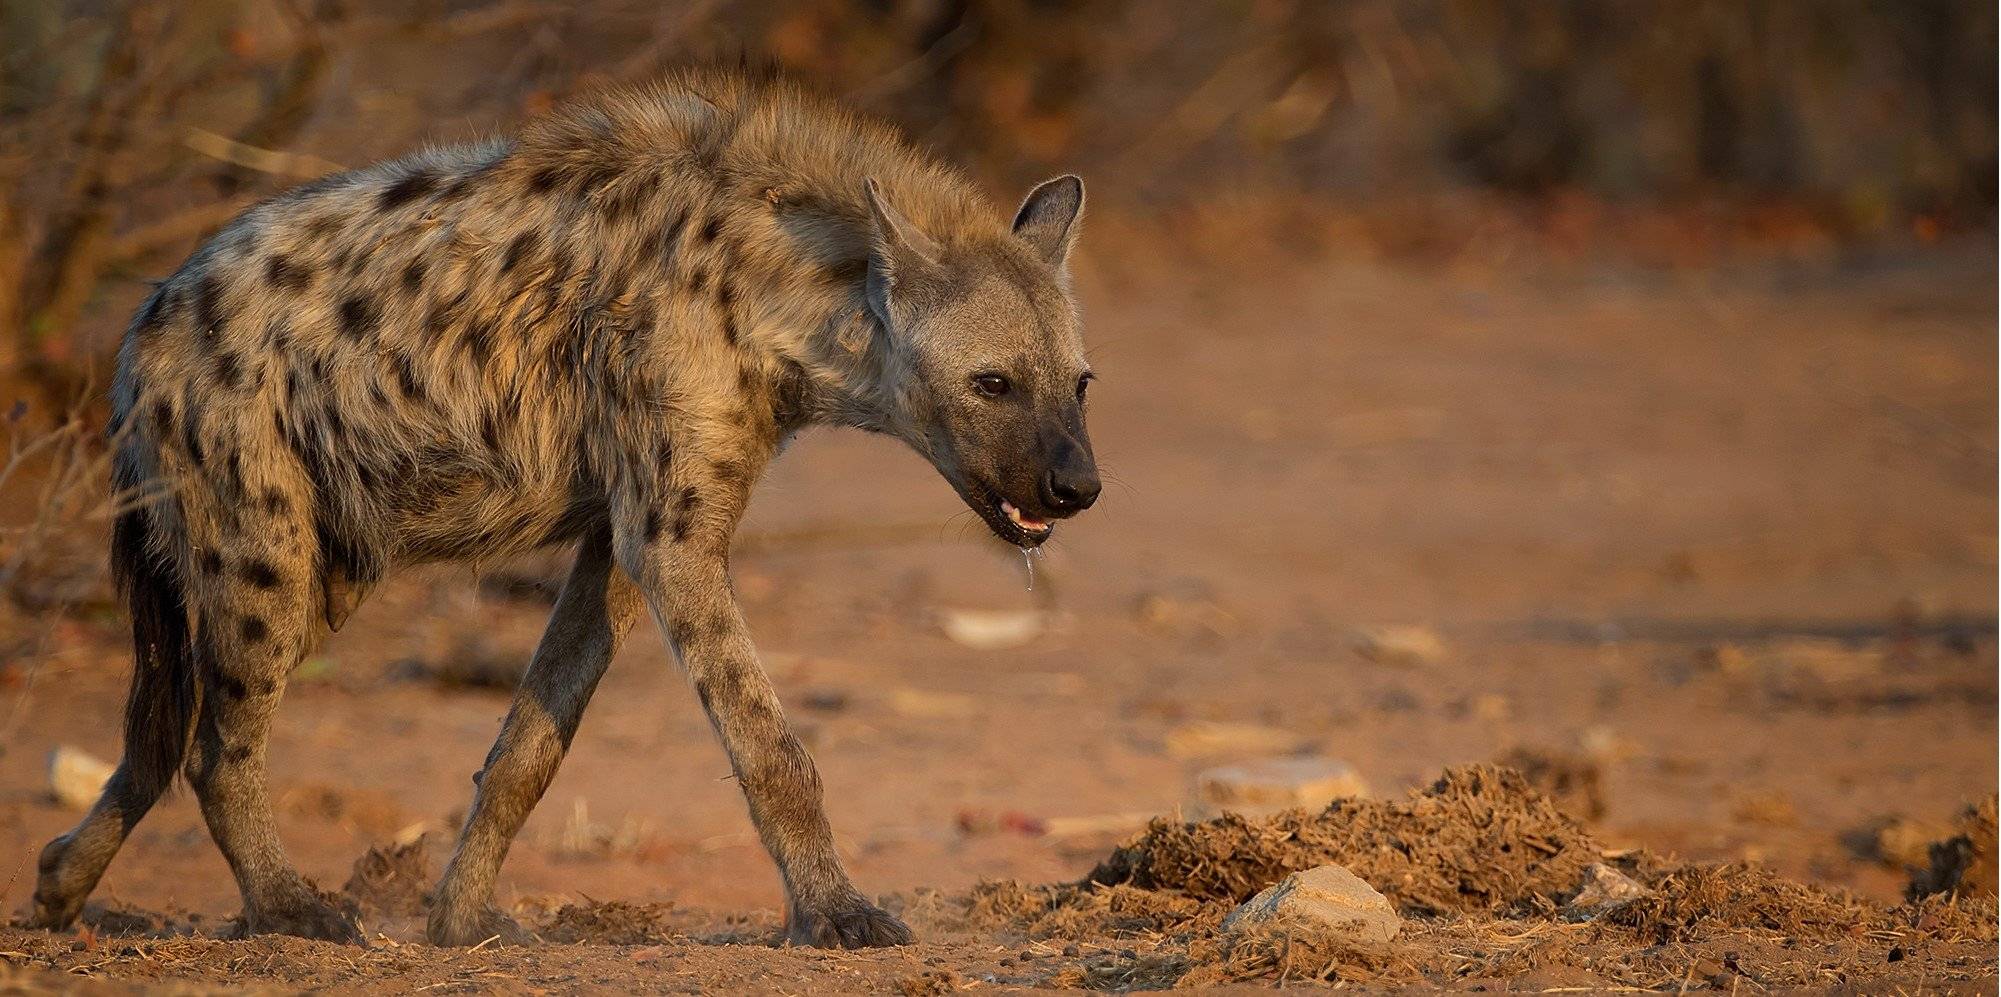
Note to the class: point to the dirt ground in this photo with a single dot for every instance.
(1721, 546)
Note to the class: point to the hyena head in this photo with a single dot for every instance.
(993, 373)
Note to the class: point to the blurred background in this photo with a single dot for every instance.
(1609, 388)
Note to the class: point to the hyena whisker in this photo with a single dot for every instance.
(597, 332)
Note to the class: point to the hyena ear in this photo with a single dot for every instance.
(901, 257)
(1047, 220)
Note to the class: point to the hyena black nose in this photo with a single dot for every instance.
(1070, 489)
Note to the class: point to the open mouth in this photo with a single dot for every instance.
(1010, 523)
(1028, 524)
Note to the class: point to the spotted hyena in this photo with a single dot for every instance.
(598, 332)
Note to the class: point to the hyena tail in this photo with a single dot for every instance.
(160, 708)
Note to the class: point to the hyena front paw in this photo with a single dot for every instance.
(852, 923)
(304, 914)
(446, 928)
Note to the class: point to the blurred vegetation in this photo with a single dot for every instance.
(130, 129)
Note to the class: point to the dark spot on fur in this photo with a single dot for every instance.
(789, 401)
(669, 239)
(408, 188)
(163, 417)
(653, 525)
(479, 341)
(729, 329)
(846, 273)
(699, 280)
(518, 250)
(211, 563)
(191, 435)
(684, 514)
(544, 180)
(275, 501)
(287, 274)
(152, 314)
(260, 574)
(712, 228)
(357, 316)
(254, 630)
(228, 371)
(208, 304)
(413, 274)
(406, 378)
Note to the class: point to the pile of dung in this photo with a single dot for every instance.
(1481, 838)
(610, 923)
(1699, 901)
(1085, 910)
(1289, 953)
(391, 880)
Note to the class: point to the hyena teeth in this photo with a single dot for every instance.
(1021, 519)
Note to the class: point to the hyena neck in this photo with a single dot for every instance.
(742, 196)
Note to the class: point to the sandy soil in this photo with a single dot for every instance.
(1724, 541)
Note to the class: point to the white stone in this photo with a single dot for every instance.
(1327, 896)
(1403, 646)
(1604, 888)
(1277, 783)
(77, 778)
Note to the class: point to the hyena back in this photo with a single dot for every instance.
(598, 332)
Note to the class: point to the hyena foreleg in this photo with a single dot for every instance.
(684, 574)
(596, 609)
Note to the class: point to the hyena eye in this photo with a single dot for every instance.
(990, 385)
(1083, 382)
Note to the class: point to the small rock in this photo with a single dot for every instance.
(1329, 896)
(77, 778)
(991, 629)
(1276, 783)
(1208, 739)
(1403, 646)
(1604, 888)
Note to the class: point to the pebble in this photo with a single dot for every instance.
(76, 777)
(1328, 896)
(1269, 784)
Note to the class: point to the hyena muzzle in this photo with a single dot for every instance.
(597, 332)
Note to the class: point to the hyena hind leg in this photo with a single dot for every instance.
(257, 600)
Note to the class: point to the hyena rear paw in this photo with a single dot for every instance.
(852, 923)
(305, 913)
(56, 904)
(446, 929)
